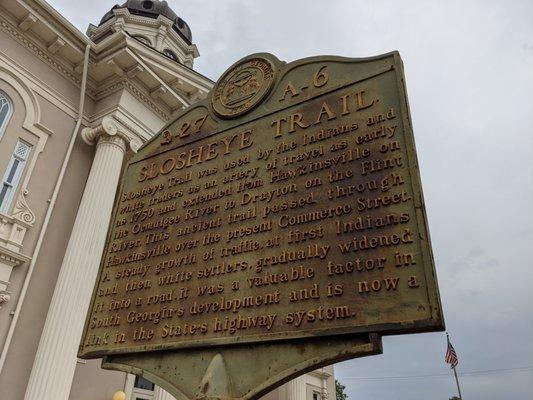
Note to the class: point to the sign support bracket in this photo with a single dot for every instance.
(245, 371)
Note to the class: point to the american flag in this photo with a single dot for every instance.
(451, 355)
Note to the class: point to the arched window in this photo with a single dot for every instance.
(170, 54)
(5, 112)
(143, 39)
(13, 173)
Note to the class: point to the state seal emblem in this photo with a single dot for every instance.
(242, 87)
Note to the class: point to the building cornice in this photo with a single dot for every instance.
(118, 43)
(145, 97)
(12, 257)
(171, 66)
(135, 67)
(39, 50)
(69, 31)
(11, 237)
(321, 373)
(136, 91)
(123, 17)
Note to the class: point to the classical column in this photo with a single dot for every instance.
(55, 361)
(161, 394)
(295, 389)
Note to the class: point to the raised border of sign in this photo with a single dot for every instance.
(391, 62)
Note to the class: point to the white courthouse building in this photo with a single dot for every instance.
(72, 108)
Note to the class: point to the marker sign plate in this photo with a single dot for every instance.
(286, 205)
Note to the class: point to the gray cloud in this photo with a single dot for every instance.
(469, 70)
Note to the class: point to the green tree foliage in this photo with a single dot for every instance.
(339, 391)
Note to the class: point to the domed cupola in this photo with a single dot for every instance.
(152, 23)
(153, 9)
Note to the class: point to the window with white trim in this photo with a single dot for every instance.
(170, 54)
(5, 112)
(13, 173)
(143, 389)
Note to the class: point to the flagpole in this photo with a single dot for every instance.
(455, 371)
(457, 381)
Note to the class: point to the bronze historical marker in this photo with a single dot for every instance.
(285, 206)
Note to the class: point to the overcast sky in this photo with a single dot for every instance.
(469, 70)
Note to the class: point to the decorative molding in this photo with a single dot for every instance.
(109, 131)
(129, 122)
(27, 22)
(40, 52)
(56, 45)
(138, 93)
(133, 71)
(78, 68)
(158, 92)
(45, 129)
(26, 90)
(12, 257)
(185, 74)
(320, 373)
(18, 83)
(196, 94)
(22, 211)
(135, 144)
(109, 88)
(176, 110)
(57, 23)
(8, 257)
(117, 70)
(143, 97)
(107, 126)
(30, 82)
(123, 18)
(118, 25)
(4, 297)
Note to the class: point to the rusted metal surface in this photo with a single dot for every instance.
(241, 371)
(287, 205)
